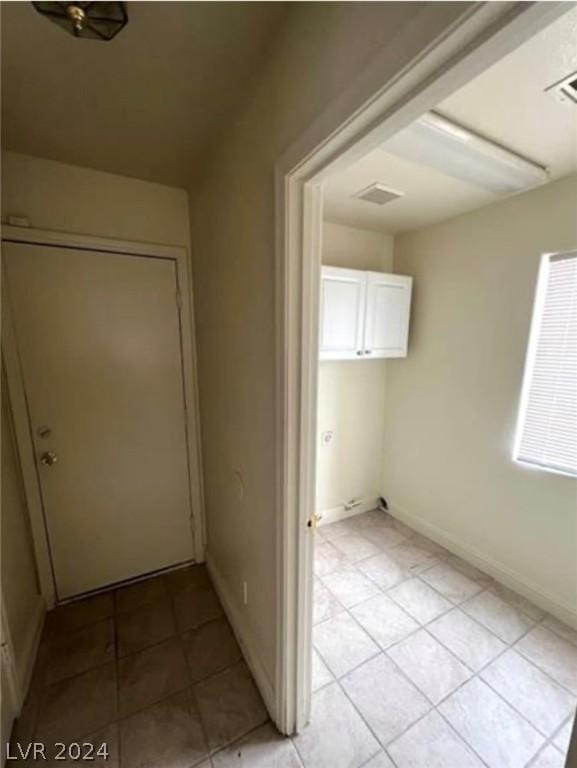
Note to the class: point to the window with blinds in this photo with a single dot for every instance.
(547, 426)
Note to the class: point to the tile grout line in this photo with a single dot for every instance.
(362, 717)
(433, 707)
(543, 671)
(338, 680)
(119, 659)
(188, 687)
(483, 588)
(474, 673)
(477, 673)
(177, 636)
(461, 737)
(509, 645)
(402, 673)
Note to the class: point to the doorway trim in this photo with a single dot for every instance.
(16, 390)
(364, 116)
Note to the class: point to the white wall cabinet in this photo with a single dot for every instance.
(364, 315)
(343, 296)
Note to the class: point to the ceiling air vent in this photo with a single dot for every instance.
(378, 194)
(565, 90)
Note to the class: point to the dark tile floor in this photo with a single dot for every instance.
(154, 671)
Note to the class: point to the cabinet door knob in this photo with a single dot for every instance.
(368, 351)
(360, 352)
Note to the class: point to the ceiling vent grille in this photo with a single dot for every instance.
(565, 90)
(378, 194)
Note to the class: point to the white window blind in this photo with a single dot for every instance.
(547, 425)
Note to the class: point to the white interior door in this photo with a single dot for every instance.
(387, 315)
(98, 336)
(342, 308)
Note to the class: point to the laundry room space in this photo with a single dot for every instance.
(352, 379)
(445, 562)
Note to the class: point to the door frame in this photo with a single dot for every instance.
(364, 116)
(16, 389)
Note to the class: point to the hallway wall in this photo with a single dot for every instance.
(69, 198)
(324, 48)
(21, 596)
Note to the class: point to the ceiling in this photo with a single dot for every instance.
(144, 104)
(507, 104)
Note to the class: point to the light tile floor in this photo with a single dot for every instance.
(419, 661)
(440, 666)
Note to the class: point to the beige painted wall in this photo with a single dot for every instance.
(452, 403)
(73, 199)
(323, 49)
(352, 393)
(20, 590)
(356, 248)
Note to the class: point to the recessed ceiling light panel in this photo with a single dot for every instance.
(378, 194)
(437, 142)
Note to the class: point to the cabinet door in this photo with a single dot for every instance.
(387, 315)
(342, 313)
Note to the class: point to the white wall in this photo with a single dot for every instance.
(452, 403)
(323, 49)
(72, 199)
(23, 603)
(352, 393)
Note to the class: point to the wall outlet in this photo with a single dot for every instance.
(245, 592)
(327, 437)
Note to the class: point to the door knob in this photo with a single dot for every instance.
(48, 458)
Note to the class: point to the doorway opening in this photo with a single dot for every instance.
(421, 612)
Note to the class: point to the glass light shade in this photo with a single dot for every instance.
(98, 20)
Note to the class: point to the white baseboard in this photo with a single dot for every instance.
(244, 637)
(334, 514)
(27, 657)
(501, 573)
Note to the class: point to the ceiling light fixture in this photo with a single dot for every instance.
(97, 20)
(439, 143)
